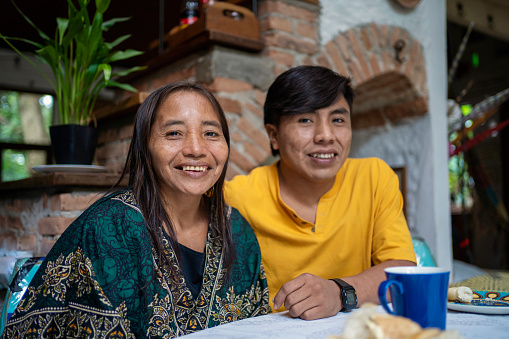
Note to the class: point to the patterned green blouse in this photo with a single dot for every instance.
(98, 281)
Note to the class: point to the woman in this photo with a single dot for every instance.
(165, 257)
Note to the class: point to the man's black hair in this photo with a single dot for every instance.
(305, 89)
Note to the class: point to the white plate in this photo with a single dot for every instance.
(69, 168)
(478, 309)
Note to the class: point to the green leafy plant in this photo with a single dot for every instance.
(80, 59)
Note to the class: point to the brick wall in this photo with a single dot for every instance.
(33, 223)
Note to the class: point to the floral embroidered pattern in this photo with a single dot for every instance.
(60, 275)
(235, 307)
(73, 272)
(187, 314)
(127, 198)
(71, 322)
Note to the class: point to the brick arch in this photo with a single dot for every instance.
(387, 90)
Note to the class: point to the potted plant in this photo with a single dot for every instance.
(81, 62)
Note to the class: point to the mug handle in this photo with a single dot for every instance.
(382, 293)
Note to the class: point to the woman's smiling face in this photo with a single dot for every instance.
(187, 145)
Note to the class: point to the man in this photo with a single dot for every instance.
(319, 215)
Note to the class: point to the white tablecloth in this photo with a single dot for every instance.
(281, 325)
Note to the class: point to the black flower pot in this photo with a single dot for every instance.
(73, 144)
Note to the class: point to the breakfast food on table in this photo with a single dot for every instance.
(366, 323)
(462, 294)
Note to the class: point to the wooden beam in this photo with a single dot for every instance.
(128, 105)
(61, 180)
(490, 17)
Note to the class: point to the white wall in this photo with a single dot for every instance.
(419, 143)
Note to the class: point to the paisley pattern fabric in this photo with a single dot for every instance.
(102, 280)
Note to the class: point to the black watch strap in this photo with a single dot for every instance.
(348, 294)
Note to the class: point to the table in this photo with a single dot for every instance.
(281, 325)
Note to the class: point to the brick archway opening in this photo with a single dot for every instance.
(388, 71)
(387, 98)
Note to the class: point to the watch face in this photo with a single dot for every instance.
(350, 298)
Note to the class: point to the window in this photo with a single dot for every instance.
(460, 183)
(24, 121)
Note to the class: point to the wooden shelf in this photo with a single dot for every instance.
(214, 28)
(60, 179)
(223, 23)
(200, 42)
(211, 29)
(125, 106)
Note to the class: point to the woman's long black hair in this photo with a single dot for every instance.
(143, 183)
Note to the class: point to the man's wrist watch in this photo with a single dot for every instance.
(348, 294)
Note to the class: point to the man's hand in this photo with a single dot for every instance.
(309, 297)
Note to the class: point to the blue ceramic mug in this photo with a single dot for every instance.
(418, 293)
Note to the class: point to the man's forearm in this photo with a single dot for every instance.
(366, 283)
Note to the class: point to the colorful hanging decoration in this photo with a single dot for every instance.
(468, 144)
(480, 109)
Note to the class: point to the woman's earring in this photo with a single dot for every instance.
(210, 192)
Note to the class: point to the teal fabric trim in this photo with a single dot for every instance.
(423, 253)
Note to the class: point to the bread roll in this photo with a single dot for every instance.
(462, 294)
(366, 323)
(395, 327)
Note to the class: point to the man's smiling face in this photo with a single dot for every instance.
(314, 145)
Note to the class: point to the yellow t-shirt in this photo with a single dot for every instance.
(359, 223)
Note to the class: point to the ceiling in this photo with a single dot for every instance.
(491, 17)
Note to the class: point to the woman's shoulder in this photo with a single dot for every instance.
(114, 214)
(241, 229)
(115, 203)
(110, 223)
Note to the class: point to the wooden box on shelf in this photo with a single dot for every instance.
(224, 23)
